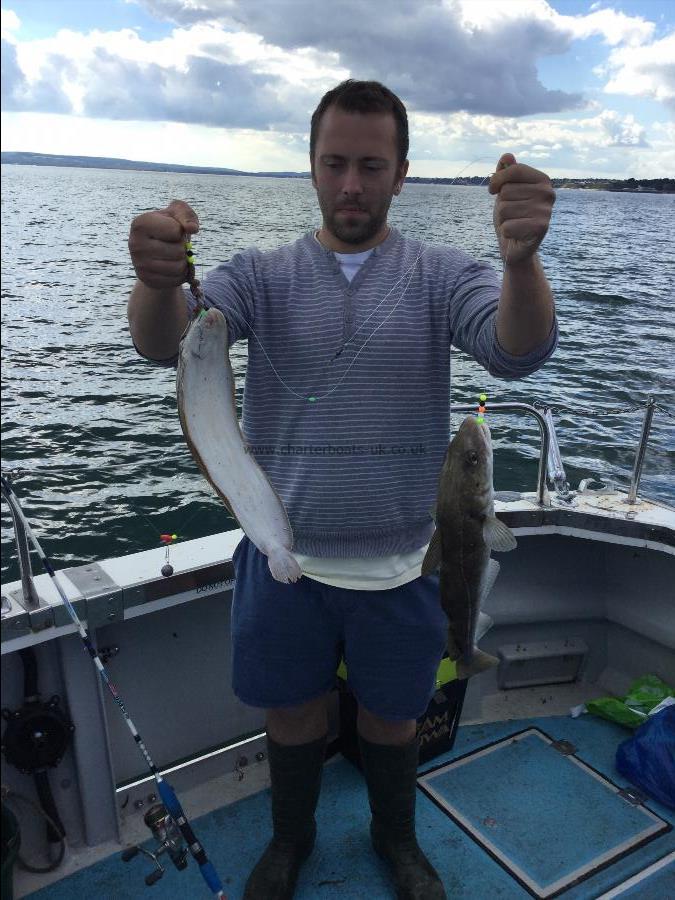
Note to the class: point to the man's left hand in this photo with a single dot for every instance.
(522, 210)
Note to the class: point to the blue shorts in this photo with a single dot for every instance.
(288, 639)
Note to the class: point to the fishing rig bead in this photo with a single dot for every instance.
(482, 399)
(167, 569)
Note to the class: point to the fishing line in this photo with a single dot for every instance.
(395, 285)
(166, 792)
(162, 535)
(312, 398)
(166, 453)
(198, 294)
(482, 397)
(167, 536)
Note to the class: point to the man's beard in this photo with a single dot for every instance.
(357, 229)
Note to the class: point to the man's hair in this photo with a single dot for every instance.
(363, 97)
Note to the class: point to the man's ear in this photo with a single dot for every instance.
(403, 171)
(311, 169)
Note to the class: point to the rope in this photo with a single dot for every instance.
(8, 793)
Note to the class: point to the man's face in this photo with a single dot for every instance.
(356, 174)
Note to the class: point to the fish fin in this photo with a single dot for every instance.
(488, 580)
(432, 558)
(480, 662)
(497, 535)
(485, 623)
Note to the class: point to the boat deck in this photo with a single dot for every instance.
(611, 849)
(590, 584)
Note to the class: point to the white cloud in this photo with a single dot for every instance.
(201, 75)
(623, 131)
(444, 146)
(615, 27)
(577, 146)
(414, 47)
(428, 51)
(168, 142)
(262, 65)
(10, 23)
(647, 71)
(237, 74)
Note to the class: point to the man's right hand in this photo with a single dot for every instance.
(156, 244)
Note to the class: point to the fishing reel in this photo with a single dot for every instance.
(169, 840)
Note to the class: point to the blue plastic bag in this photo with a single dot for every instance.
(648, 758)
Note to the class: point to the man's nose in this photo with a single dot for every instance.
(351, 183)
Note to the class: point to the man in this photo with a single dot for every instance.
(348, 381)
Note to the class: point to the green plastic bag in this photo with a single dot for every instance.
(632, 710)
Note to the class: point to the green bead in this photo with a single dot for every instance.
(311, 399)
(482, 397)
(480, 419)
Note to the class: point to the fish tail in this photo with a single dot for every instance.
(283, 565)
(479, 662)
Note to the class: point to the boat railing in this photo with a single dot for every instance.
(549, 460)
(31, 600)
(556, 470)
(542, 493)
(549, 454)
(642, 447)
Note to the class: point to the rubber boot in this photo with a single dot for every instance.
(391, 776)
(295, 774)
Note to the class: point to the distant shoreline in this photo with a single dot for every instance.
(16, 158)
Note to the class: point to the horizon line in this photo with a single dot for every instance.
(282, 173)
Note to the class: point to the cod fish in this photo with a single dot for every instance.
(208, 417)
(466, 531)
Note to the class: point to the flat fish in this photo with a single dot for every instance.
(208, 417)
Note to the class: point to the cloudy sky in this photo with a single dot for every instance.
(572, 87)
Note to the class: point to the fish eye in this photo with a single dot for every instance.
(472, 458)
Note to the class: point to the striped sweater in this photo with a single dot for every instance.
(346, 400)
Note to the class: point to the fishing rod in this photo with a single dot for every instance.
(166, 792)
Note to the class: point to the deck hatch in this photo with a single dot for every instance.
(502, 795)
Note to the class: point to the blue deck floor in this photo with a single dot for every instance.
(343, 864)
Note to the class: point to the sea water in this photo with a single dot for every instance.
(93, 428)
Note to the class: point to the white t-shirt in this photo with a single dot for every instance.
(350, 263)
